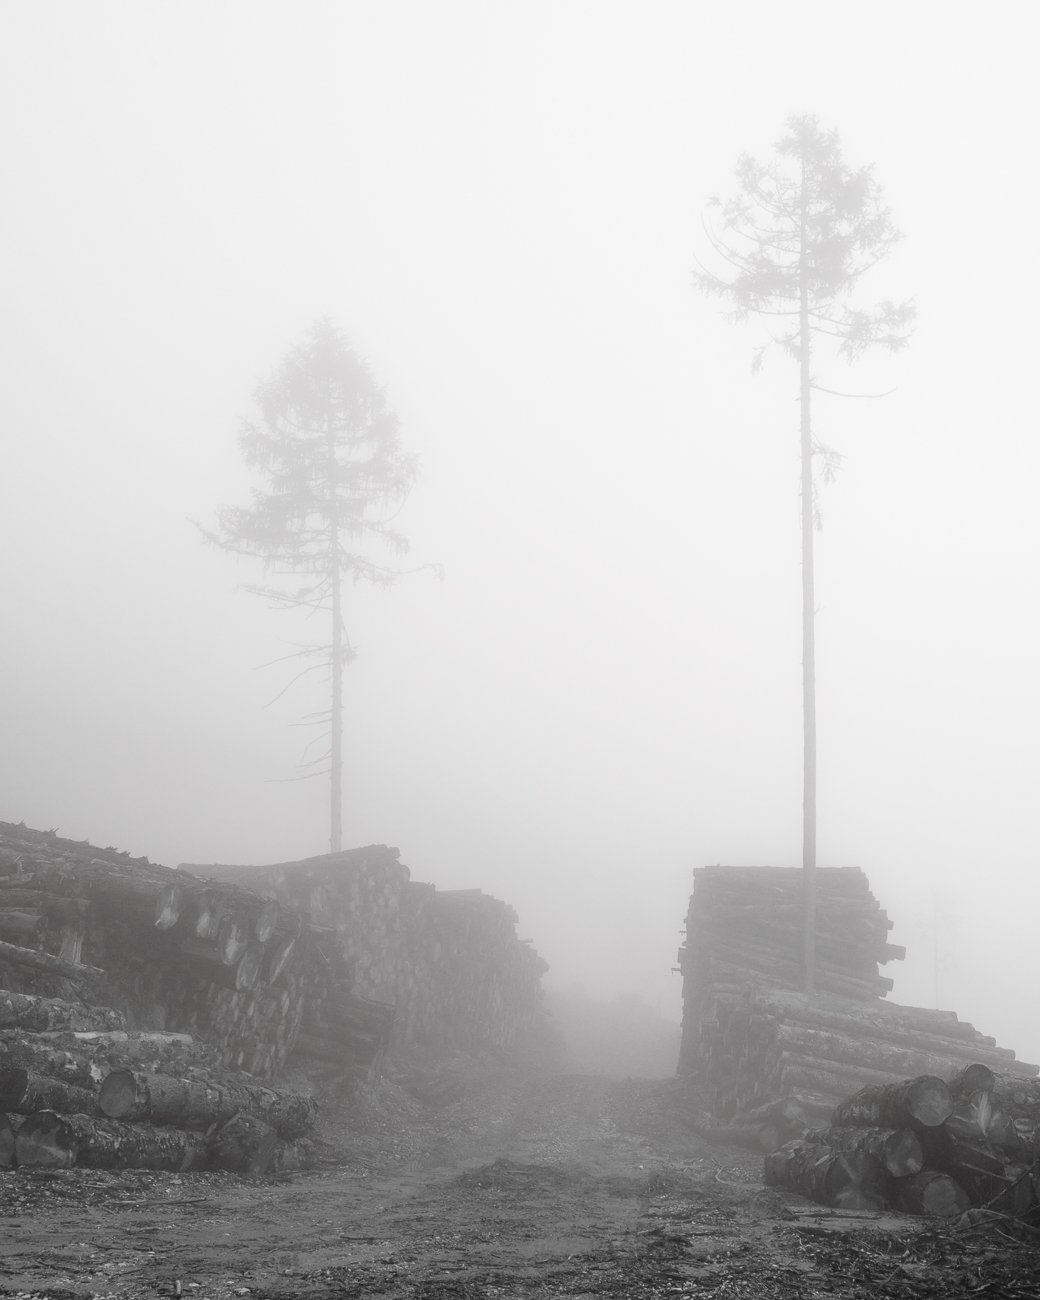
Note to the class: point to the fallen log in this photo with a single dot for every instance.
(133, 1095)
(60, 1141)
(27, 1011)
(6, 1142)
(277, 956)
(851, 1180)
(913, 1103)
(45, 961)
(933, 1193)
(898, 1150)
(23, 1093)
(245, 1145)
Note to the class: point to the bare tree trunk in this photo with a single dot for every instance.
(808, 618)
(336, 711)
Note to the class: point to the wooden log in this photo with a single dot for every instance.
(1020, 1100)
(290, 1157)
(58, 907)
(45, 961)
(918, 1103)
(18, 924)
(863, 1049)
(26, 1011)
(44, 1141)
(829, 1177)
(933, 1193)
(23, 1093)
(156, 901)
(133, 1095)
(6, 1142)
(244, 1145)
(49, 1139)
(226, 949)
(278, 955)
(898, 1150)
(973, 1078)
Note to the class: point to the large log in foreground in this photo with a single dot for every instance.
(852, 1180)
(898, 1150)
(915, 1103)
(59, 1141)
(23, 1092)
(27, 1011)
(133, 1095)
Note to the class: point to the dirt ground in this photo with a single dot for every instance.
(484, 1180)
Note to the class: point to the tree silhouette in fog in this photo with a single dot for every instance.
(326, 444)
(795, 240)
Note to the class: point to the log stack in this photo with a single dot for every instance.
(752, 1038)
(337, 958)
(119, 1099)
(924, 1146)
(448, 962)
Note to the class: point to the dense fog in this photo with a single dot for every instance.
(500, 203)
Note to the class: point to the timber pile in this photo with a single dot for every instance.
(119, 1099)
(229, 966)
(753, 1039)
(924, 1146)
(426, 966)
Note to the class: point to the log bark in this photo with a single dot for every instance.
(24, 1092)
(829, 1177)
(26, 1011)
(973, 1078)
(133, 1095)
(290, 1157)
(1020, 1100)
(6, 1142)
(933, 1193)
(46, 961)
(48, 1138)
(19, 924)
(245, 1145)
(898, 1150)
(913, 1103)
(152, 900)
(277, 957)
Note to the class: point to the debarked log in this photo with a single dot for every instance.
(27, 1011)
(930, 1192)
(132, 1095)
(24, 1092)
(60, 1141)
(912, 1103)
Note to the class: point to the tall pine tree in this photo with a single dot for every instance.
(796, 239)
(327, 447)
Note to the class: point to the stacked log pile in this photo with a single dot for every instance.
(427, 966)
(924, 1146)
(117, 1099)
(753, 1039)
(230, 966)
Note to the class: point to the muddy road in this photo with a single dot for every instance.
(484, 1182)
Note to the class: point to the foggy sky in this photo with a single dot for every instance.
(500, 204)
